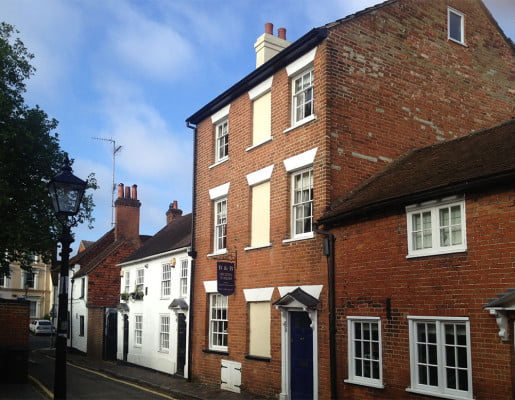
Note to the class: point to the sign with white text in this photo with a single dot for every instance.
(225, 277)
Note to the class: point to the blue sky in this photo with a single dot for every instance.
(134, 70)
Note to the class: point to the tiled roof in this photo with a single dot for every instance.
(449, 167)
(98, 251)
(175, 235)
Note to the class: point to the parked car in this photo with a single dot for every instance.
(41, 327)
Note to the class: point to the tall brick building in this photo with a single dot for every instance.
(315, 119)
(95, 286)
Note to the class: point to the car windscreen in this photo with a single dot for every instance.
(44, 323)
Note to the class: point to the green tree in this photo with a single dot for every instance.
(30, 155)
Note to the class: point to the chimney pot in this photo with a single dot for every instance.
(269, 28)
(120, 190)
(135, 192)
(128, 192)
(282, 33)
(173, 212)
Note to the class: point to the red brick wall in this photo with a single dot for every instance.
(400, 84)
(371, 266)
(14, 320)
(104, 292)
(104, 280)
(384, 83)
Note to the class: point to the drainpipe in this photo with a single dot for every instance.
(193, 252)
(329, 253)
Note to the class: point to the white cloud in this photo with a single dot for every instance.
(151, 48)
(52, 31)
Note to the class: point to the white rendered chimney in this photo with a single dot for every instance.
(268, 45)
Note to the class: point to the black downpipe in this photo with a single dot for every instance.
(329, 253)
(193, 252)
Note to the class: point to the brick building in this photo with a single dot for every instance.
(316, 118)
(95, 285)
(421, 249)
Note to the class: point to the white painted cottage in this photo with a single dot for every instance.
(153, 318)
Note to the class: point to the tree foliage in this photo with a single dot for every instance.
(30, 155)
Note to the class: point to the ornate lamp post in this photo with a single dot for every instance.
(66, 191)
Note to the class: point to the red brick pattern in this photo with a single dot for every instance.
(371, 267)
(385, 82)
(14, 320)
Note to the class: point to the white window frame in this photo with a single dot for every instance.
(138, 330)
(4, 281)
(127, 285)
(81, 325)
(303, 109)
(164, 333)
(441, 365)
(452, 11)
(220, 225)
(354, 357)
(218, 322)
(33, 308)
(183, 280)
(222, 140)
(297, 207)
(140, 280)
(35, 274)
(83, 287)
(433, 209)
(166, 280)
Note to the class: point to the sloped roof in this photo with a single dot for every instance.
(293, 52)
(95, 253)
(464, 163)
(174, 235)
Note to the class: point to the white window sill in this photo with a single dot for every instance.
(304, 121)
(219, 162)
(259, 144)
(304, 236)
(258, 247)
(439, 394)
(377, 385)
(218, 253)
(457, 42)
(430, 252)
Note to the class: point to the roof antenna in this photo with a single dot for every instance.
(116, 149)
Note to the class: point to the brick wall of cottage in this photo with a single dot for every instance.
(371, 267)
(14, 320)
(374, 99)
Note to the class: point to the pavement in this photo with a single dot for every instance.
(170, 385)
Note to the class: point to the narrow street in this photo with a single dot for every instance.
(83, 383)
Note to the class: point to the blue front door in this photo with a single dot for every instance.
(301, 365)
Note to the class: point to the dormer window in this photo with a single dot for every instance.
(456, 25)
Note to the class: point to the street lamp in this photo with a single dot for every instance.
(66, 191)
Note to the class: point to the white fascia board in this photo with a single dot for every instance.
(154, 256)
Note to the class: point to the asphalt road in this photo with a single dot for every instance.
(83, 384)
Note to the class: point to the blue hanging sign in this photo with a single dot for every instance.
(225, 277)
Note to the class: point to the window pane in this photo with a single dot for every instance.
(463, 383)
(455, 26)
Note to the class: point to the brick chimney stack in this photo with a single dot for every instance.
(127, 208)
(173, 212)
(268, 45)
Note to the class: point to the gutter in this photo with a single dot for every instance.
(193, 251)
(279, 61)
(329, 253)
